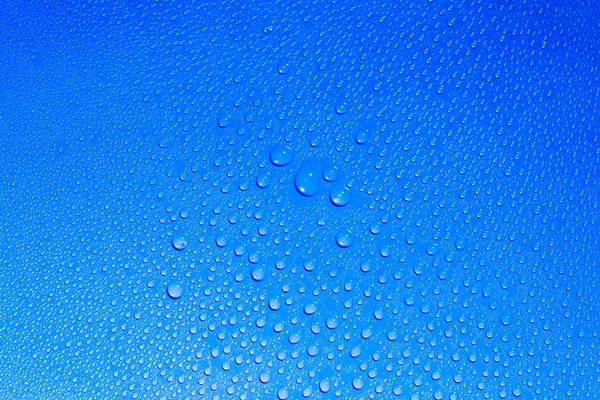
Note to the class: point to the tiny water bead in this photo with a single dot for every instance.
(179, 241)
(175, 290)
(340, 196)
(344, 239)
(281, 156)
(307, 180)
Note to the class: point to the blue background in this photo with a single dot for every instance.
(286, 200)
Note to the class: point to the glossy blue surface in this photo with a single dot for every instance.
(287, 200)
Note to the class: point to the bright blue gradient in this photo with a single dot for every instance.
(288, 200)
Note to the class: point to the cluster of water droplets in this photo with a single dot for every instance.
(301, 200)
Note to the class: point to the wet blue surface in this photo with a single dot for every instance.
(287, 200)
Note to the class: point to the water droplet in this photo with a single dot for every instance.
(221, 241)
(281, 156)
(312, 350)
(344, 239)
(330, 174)
(310, 308)
(426, 308)
(224, 121)
(341, 108)
(331, 323)
(294, 338)
(283, 394)
(361, 138)
(283, 68)
(375, 228)
(264, 377)
(175, 290)
(258, 273)
(358, 383)
(339, 196)
(309, 265)
(366, 332)
(263, 180)
(274, 304)
(324, 385)
(411, 238)
(306, 180)
(365, 266)
(432, 249)
(179, 241)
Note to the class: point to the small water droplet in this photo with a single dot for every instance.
(306, 180)
(281, 156)
(344, 239)
(358, 383)
(310, 308)
(258, 273)
(341, 108)
(224, 121)
(330, 174)
(175, 290)
(263, 180)
(340, 196)
(179, 241)
(361, 137)
(294, 338)
(324, 385)
(274, 304)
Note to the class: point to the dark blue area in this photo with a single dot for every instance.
(286, 200)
